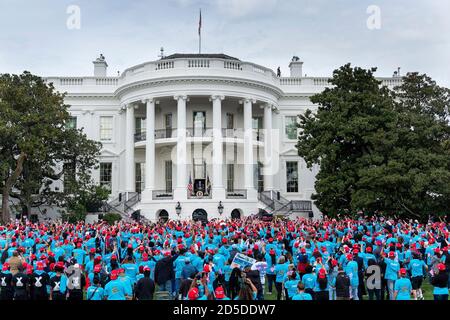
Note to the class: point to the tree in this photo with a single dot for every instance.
(37, 147)
(378, 151)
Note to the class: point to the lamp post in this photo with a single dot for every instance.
(220, 208)
(178, 208)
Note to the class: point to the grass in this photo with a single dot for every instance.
(427, 290)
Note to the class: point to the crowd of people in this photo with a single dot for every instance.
(345, 259)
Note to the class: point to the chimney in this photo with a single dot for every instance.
(100, 66)
(296, 67)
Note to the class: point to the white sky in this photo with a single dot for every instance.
(325, 34)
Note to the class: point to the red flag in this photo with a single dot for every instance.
(200, 23)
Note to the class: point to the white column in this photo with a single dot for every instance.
(180, 192)
(248, 150)
(218, 191)
(268, 161)
(129, 150)
(149, 150)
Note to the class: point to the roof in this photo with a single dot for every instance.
(197, 55)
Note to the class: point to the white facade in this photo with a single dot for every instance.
(217, 112)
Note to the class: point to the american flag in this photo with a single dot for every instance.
(190, 186)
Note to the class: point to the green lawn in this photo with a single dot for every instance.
(427, 291)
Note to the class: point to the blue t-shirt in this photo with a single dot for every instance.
(392, 268)
(416, 266)
(95, 293)
(302, 296)
(403, 287)
(115, 290)
(280, 271)
(309, 280)
(291, 287)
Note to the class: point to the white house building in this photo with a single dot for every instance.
(198, 135)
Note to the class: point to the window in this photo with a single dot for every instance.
(106, 124)
(230, 177)
(258, 178)
(291, 127)
(72, 123)
(141, 125)
(230, 121)
(168, 175)
(168, 125)
(291, 177)
(257, 122)
(106, 175)
(140, 177)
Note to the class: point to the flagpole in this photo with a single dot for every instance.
(200, 33)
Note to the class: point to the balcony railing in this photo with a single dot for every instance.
(162, 195)
(236, 194)
(165, 133)
(199, 132)
(258, 134)
(140, 136)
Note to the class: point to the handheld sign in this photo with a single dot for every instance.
(241, 261)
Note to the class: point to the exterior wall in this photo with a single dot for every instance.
(198, 79)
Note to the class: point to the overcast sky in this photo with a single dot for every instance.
(325, 34)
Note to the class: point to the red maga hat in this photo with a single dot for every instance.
(193, 294)
(219, 292)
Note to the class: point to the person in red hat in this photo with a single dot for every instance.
(193, 294)
(115, 289)
(271, 260)
(219, 294)
(403, 287)
(39, 281)
(440, 282)
(351, 269)
(6, 289)
(20, 283)
(145, 287)
(58, 283)
(391, 273)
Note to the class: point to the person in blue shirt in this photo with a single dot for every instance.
(115, 290)
(391, 273)
(301, 294)
(417, 268)
(403, 287)
(126, 282)
(309, 280)
(95, 292)
(79, 254)
(351, 270)
(280, 270)
(131, 270)
(291, 285)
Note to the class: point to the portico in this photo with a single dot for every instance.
(216, 136)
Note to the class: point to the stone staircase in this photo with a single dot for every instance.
(124, 205)
(276, 204)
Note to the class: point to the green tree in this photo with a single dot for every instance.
(378, 150)
(37, 147)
